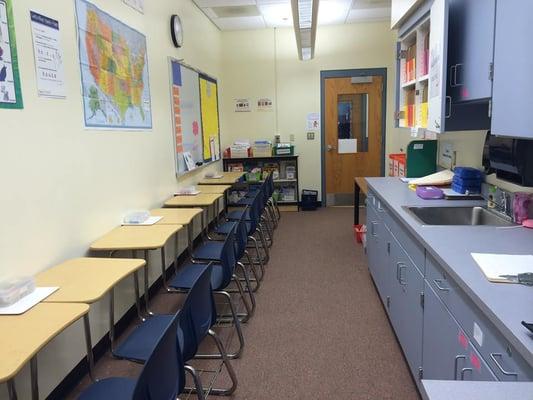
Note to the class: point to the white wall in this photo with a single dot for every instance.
(64, 186)
(248, 68)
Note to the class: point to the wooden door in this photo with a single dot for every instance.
(353, 134)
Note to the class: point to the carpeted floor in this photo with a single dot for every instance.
(320, 331)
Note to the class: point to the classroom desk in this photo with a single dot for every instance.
(359, 186)
(228, 178)
(178, 216)
(203, 200)
(23, 336)
(217, 189)
(138, 238)
(87, 280)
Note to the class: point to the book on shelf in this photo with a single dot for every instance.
(236, 167)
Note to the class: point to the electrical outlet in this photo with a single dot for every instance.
(310, 135)
(291, 137)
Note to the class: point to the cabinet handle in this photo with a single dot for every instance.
(455, 364)
(463, 371)
(453, 75)
(399, 267)
(437, 283)
(372, 229)
(449, 103)
(502, 370)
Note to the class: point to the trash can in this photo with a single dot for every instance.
(309, 200)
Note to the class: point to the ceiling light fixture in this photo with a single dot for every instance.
(304, 14)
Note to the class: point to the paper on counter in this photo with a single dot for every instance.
(149, 221)
(494, 265)
(27, 302)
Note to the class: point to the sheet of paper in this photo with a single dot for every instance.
(406, 180)
(494, 265)
(48, 56)
(347, 146)
(187, 193)
(27, 302)
(149, 221)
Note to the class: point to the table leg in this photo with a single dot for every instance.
(190, 233)
(147, 285)
(163, 269)
(89, 345)
(11, 390)
(137, 296)
(112, 319)
(204, 220)
(34, 379)
(357, 192)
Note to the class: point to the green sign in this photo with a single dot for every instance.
(10, 93)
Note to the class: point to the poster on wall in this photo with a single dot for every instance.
(114, 71)
(186, 116)
(135, 4)
(264, 104)
(242, 105)
(48, 56)
(313, 122)
(10, 93)
(210, 126)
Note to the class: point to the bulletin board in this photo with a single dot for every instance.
(196, 133)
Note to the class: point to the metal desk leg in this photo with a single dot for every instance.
(357, 192)
(112, 319)
(89, 345)
(204, 219)
(177, 244)
(34, 379)
(137, 296)
(190, 233)
(146, 285)
(164, 270)
(11, 390)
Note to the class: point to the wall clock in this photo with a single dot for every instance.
(176, 30)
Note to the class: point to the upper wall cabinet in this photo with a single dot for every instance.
(400, 9)
(513, 70)
(443, 81)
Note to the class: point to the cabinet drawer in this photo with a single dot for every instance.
(501, 357)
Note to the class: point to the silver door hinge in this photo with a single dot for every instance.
(491, 71)
(388, 301)
(420, 373)
(388, 247)
(402, 54)
(422, 299)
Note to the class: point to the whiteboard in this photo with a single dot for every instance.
(186, 115)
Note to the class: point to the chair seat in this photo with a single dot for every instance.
(141, 342)
(188, 274)
(211, 250)
(226, 227)
(110, 388)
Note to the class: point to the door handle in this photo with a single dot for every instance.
(437, 284)
(399, 267)
(331, 147)
(455, 364)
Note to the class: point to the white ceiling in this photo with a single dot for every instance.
(256, 14)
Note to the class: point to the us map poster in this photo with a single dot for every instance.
(114, 71)
(10, 93)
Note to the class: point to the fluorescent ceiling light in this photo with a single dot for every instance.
(276, 14)
(304, 14)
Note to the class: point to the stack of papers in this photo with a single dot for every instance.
(497, 266)
(148, 221)
(437, 179)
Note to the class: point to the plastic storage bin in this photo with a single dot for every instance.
(12, 290)
(309, 200)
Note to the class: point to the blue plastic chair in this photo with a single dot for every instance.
(197, 316)
(162, 378)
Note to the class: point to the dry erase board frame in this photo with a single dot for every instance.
(186, 111)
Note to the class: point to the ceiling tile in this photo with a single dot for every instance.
(223, 3)
(277, 14)
(333, 11)
(359, 4)
(231, 24)
(369, 14)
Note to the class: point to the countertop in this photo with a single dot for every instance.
(471, 390)
(505, 305)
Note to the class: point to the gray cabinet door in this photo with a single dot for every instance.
(377, 239)
(513, 66)
(406, 312)
(470, 49)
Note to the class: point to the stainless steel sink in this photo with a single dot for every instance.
(457, 216)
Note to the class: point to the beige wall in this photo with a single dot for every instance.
(249, 71)
(64, 186)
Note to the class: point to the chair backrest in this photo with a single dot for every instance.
(255, 214)
(227, 257)
(163, 375)
(241, 235)
(198, 314)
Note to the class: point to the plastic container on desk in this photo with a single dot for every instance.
(12, 290)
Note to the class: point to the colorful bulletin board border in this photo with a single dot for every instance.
(12, 63)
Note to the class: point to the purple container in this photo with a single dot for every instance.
(521, 204)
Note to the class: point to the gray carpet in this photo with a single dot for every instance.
(320, 331)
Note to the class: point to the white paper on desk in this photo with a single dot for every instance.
(149, 221)
(27, 302)
(407, 180)
(494, 265)
(214, 177)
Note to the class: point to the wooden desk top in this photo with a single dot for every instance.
(147, 237)
(200, 200)
(361, 182)
(173, 216)
(228, 178)
(23, 336)
(86, 280)
(213, 188)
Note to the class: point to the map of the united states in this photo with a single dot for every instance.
(114, 71)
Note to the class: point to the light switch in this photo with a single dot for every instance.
(310, 135)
